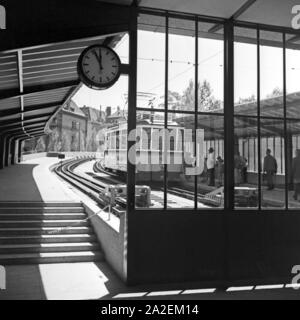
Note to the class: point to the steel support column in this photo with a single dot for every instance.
(7, 151)
(132, 88)
(20, 143)
(228, 140)
(2, 151)
(228, 114)
(13, 151)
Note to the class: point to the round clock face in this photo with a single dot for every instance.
(99, 67)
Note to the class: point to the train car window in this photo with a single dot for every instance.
(123, 140)
(138, 138)
(172, 143)
(154, 144)
(108, 141)
(117, 140)
(160, 143)
(113, 140)
(146, 142)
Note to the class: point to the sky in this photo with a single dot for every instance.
(151, 52)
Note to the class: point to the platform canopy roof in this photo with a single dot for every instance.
(245, 121)
(35, 82)
(270, 12)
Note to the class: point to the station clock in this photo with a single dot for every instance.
(99, 67)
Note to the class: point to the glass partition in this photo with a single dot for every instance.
(267, 94)
(181, 76)
(190, 175)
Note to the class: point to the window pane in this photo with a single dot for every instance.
(211, 162)
(245, 163)
(181, 78)
(271, 74)
(273, 164)
(151, 62)
(180, 169)
(149, 160)
(210, 68)
(292, 76)
(245, 72)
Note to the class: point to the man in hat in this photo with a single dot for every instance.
(270, 169)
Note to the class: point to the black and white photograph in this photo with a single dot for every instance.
(149, 150)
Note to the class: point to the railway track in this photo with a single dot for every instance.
(202, 198)
(94, 189)
(98, 168)
(188, 194)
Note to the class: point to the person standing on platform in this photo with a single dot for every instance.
(211, 167)
(244, 171)
(220, 171)
(204, 173)
(270, 169)
(296, 174)
(239, 164)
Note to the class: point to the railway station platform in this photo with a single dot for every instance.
(32, 181)
(81, 281)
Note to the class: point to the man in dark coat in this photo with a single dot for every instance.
(270, 169)
(296, 174)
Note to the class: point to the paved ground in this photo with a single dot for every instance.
(97, 281)
(32, 181)
(60, 281)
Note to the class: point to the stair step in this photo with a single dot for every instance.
(55, 232)
(54, 238)
(51, 257)
(39, 204)
(48, 247)
(43, 223)
(45, 230)
(42, 210)
(42, 216)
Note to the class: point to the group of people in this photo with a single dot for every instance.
(213, 169)
(270, 170)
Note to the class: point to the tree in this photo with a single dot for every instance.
(277, 92)
(207, 102)
(188, 97)
(250, 99)
(174, 100)
(206, 99)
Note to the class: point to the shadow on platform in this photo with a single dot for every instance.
(17, 183)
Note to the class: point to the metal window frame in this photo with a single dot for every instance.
(228, 112)
(284, 118)
(197, 19)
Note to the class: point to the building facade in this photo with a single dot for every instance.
(74, 129)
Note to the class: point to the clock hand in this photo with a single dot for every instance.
(99, 59)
